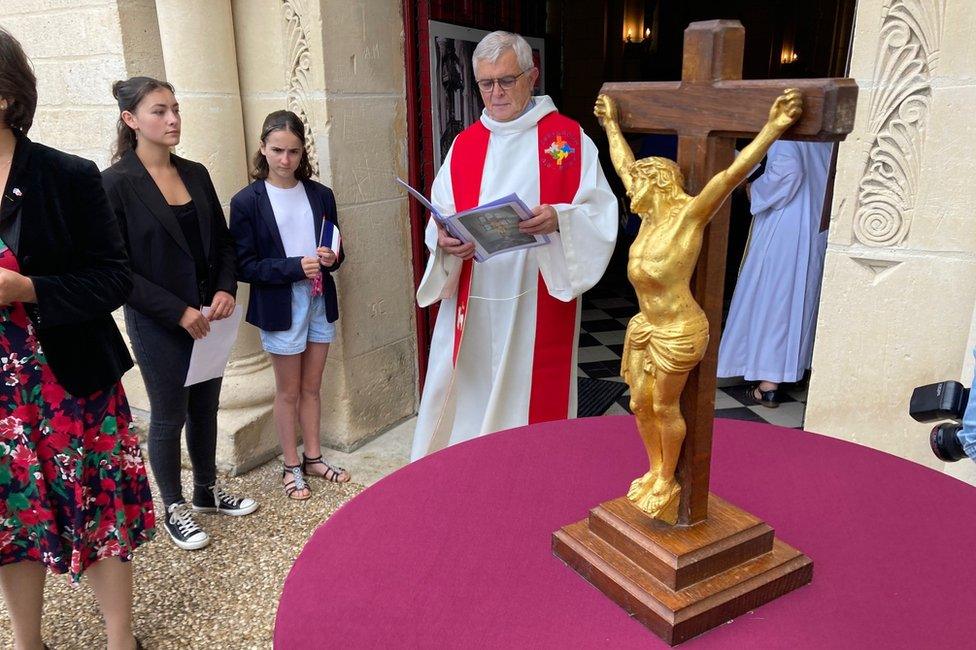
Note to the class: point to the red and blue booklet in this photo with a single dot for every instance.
(329, 236)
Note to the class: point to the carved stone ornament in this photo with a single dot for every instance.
(299, 71)
(911, 34)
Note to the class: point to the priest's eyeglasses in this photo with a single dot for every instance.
(505, 83)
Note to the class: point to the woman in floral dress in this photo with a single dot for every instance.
(73, 491)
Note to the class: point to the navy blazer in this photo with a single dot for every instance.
(261, 257)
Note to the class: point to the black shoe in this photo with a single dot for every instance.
(768, 398)
(183, 529)
(213, 499)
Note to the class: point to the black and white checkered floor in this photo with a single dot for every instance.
(606, 312)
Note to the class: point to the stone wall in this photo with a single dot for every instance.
(77, 51)
(362, 43)
(900, 278)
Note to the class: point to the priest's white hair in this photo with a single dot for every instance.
(494, 45)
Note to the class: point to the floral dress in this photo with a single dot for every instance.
(73, 488)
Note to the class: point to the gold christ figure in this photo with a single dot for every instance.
(667, 339)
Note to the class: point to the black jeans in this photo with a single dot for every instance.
(163, 355)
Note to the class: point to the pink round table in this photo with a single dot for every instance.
(455, 550)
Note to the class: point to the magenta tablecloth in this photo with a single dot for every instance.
(454, 550)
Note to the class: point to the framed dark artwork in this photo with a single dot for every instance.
(454, 98)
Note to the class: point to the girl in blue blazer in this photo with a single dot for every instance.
(276, 222)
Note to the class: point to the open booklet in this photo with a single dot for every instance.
(492, 227)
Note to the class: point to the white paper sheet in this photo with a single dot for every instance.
(210, 354)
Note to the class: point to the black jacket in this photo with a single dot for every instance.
(164, 275)
(57, 222)
(261, 257)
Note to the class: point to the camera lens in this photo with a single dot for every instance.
(945, 443)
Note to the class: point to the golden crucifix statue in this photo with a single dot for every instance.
(667, 339)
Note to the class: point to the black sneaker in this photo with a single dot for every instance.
(183, 529)
(215, 500)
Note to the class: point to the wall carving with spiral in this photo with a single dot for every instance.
(300, 71)
(910, 40)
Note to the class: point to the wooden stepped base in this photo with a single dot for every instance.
(681, 581)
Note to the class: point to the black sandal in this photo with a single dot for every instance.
(768, 398)
(332, 474)
(297, 484)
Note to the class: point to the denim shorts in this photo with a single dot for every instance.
(308, 323)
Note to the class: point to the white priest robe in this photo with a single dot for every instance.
(488, 387)
(770, 329)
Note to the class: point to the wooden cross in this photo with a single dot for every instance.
(708, 109)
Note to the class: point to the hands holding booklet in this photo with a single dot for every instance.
(492, 228)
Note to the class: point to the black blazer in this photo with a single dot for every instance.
(261, 257)
(164, 274)
(57, 222)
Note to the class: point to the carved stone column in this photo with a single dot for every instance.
(900, 274)
(200, 56)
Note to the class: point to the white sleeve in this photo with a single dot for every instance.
(781, 180)
(578, 254)
(443, 270)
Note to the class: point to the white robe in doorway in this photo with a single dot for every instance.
(770, 329)
(489, 388)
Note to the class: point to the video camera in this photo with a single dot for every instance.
(943, 401)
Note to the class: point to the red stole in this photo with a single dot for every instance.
(559, 151)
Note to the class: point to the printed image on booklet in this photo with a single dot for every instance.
(491, 227)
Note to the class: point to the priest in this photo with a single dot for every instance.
(503, 352)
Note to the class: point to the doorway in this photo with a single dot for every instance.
(589, 42)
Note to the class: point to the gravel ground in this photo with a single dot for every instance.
(223, 596)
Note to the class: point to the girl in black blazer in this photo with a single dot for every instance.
(182, 259)
(276, 222)
(74, 496)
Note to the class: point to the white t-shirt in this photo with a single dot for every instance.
(293, 214)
